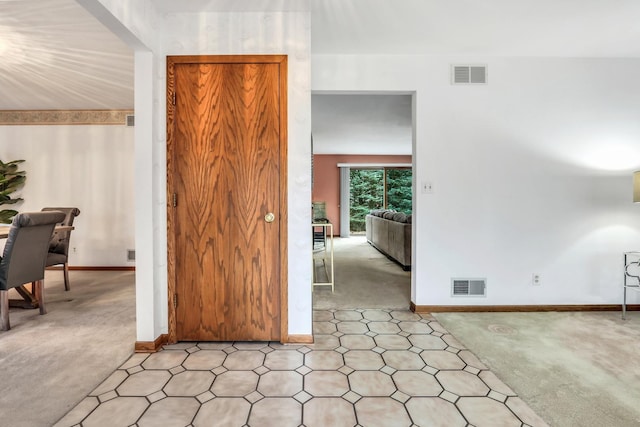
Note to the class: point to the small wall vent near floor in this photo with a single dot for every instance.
(131, 120)
(131, 254)
(468, 287)
(468, 74)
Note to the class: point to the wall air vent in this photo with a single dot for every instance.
(468, 74)
(131, 120)
(469, 287)
(131, 254)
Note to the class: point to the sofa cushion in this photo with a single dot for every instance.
(399, 217)
(388, 215)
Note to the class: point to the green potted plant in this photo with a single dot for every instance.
(10, 180)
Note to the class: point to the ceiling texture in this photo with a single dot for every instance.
(55, 55)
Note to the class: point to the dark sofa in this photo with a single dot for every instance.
(390, 233)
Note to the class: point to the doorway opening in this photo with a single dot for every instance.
(362, 161)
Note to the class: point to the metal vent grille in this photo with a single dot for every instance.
(131, 120)
(131, 255)
(468, 287)
(469, 74)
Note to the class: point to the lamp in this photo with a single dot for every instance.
(636, 187)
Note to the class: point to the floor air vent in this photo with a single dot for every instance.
(468, 287)
(469, 74)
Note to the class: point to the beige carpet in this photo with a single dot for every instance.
(364, 278)
(573, 369)
(50, 363)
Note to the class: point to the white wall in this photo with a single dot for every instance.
(520, 170)
(264, 33)
(89, 167)
(531, 173)
(213, 34)
(136, 23)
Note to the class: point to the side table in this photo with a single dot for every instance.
(323, 252)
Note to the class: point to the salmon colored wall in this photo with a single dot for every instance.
(326, 179)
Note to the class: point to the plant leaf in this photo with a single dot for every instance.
(6, 215)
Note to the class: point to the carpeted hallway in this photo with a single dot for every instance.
(364, 278)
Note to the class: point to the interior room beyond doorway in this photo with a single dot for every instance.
(364, 278)
(359, 131)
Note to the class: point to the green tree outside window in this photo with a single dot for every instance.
(368, 192)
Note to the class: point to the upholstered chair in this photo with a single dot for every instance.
(24, 257)
(59, 244)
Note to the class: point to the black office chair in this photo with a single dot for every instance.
(59, 244)
(25, 256)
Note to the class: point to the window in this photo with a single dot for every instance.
(385, 188)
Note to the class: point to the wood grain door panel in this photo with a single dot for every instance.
(226, 144)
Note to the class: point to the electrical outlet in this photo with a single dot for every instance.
(536, 280)
(74, 250)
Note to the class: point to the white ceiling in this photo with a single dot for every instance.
(353, 124)
(54, 55)
(577, 28)
(191, 6)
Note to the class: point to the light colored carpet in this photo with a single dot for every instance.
(364, 278)
(573, 369)
(50, 363)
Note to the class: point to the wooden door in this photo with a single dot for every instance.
(227, 180)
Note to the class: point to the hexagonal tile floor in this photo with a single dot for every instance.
(366, 368)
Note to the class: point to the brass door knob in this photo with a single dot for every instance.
(270, 217)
